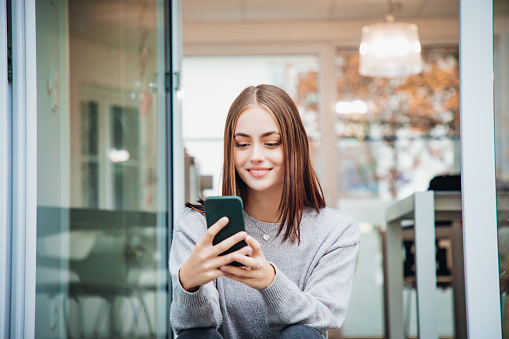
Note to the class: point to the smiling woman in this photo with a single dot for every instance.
(296, 270)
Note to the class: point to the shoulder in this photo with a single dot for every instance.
(333, 223)
(190, 218)
(329, 217)
(188, 212)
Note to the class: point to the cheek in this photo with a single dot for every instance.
(279, 158)
(237, 158)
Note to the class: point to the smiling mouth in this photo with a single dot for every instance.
(259, 171)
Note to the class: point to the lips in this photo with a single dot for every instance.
(259, 172)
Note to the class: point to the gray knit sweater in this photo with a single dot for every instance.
(312, 284)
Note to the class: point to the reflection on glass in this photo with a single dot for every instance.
(89, 150)
(124, 153)
(207, 102)
(102, 223)
(501, 88)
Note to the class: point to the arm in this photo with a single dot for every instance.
(194, 264)
(201, 308)
(323, 302)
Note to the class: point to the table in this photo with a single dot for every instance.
(423, 210)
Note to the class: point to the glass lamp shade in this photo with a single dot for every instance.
(390, 49)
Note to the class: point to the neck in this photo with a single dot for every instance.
(263, 206)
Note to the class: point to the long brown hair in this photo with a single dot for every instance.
(300, 182)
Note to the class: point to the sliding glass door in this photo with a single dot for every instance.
(102, 216)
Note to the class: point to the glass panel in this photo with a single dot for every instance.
(208, 103)
(102, 216)
(501, 88)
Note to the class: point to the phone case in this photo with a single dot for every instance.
(231, 207)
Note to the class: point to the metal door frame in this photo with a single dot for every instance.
(24, 171)
(5, 175)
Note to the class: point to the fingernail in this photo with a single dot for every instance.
(224, 219)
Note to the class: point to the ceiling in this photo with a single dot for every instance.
(119, 21)
(315, 10)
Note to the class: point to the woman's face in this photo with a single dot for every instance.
(258, 152)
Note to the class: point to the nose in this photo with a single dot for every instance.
(257, 154)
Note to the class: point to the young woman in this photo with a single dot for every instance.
(300, 258)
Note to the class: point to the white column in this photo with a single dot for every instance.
(177, 152)
(478, 170)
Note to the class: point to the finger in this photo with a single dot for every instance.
(257, 248)
(239, 271)
(229, 258)
(212, 274)
(214, 229)
(191, 278)
(248, 262)
(229, 242)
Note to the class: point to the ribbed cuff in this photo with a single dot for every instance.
(189, 299)
(277, 292)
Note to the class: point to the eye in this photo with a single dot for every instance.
(273, 144)
(241, 144)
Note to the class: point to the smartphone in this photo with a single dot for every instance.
(231, 207)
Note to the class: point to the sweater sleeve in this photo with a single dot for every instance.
(201, 308)
(323, 302)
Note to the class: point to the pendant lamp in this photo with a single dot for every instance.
(390, 49)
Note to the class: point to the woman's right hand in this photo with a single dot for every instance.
(203, 265)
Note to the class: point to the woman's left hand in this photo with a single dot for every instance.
(257, 272)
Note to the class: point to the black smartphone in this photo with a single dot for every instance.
(231, 207)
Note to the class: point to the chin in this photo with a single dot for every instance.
(265, 188)
(259, 189)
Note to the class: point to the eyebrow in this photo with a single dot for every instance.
(266, 134)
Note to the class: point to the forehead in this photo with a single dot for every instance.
(256, 120)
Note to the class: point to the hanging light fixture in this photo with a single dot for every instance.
(390, 49)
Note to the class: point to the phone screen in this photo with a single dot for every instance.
(231, 207)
